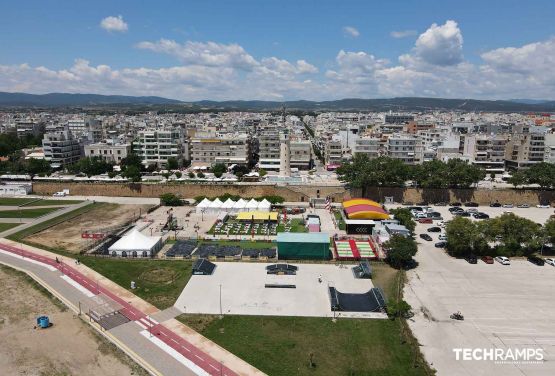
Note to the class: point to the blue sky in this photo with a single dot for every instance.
(251, 49)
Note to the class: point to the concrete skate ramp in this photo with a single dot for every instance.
(371, 301)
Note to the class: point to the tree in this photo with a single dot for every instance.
(518, 178)
(132, 159)
(218, 169)
(542, 174)
(462, 174)
(432, 174)
(240, 170)
(200, 175)
(92, 166)
(170, 199)
(172, 163)
(462, 235)
(404, 216)
(191, 175)
(400, 249)
(549, 231)
(516, 235)
(178, 174)
(37, 166)
(132, 173)
(262, 172)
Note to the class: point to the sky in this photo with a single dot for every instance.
(280, 50)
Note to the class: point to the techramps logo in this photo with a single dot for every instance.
(521, 356)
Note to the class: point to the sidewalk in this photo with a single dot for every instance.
(169, 337)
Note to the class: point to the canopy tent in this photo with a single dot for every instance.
(203, 205)
(361, 208)
(252, 205)
(215, 206)
(228, 205)
(264, 206)
(239, 206)
(136, 244)
(257, 216)
(360, 201)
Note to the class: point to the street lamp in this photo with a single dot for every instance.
(221, 314)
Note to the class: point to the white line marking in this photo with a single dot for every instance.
(77, 286)
(176, 355)
(164, 334)
(49, 267)
(185, 348)
(141, 325)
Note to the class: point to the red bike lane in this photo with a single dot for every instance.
(173, 340)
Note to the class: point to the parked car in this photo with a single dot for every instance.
(550, 261)
(487, 259)
(425, 220)
(415, 208)
(471, 259)
(536, 260)
(434, 229)
(441, 244)
(443, 223)
(543, 206)
(472, 210)
(503, 260)
(441, 204)
(523, 206)
(434, 214)
(480, 215)
(495, 205)
(508, 206)
(455, 204)
(421, 215)
(462, 214)
(442, 237)
(426, 237)
(471, 204)
(456, 209)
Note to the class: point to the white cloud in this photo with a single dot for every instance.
(403, 33)
(439, 45)
(112, 23)
(350, 31)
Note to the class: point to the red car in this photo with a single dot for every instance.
(425, 220)
(487, 259)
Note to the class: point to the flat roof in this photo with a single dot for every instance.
(300, 237)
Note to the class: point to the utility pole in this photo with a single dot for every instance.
(221, 314)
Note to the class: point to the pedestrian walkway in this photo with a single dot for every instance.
(156, 347)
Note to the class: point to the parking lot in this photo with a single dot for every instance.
(243, 291)
(508, 307)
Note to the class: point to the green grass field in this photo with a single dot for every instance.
(296, 226)
(158, 282)
(283, 345)
(15, 201)
(26, 213)
(7, 226)
(55, 202)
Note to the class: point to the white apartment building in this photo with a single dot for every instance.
(112, 153)
(269, 150)
(300, 154)
(60, 148)
(486, 150)
(333, 152)
(549, 155)
(367, 145)
(524, 150)
(405, 148)
(158, 145)
(222, 148)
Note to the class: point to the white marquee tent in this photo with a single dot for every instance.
(136, 244)
(264, 206)
(203, 205)
(252, 205)
(239, 206)
(215, 206)
(228, 205)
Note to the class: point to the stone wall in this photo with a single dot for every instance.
(288, 192)
(481, 196)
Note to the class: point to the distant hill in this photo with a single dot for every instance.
(64, 99)
(348, 104)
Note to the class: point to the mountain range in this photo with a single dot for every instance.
(23, 100)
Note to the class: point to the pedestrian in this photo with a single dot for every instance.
(57, 261)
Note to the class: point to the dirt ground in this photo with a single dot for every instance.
(67, 235)
(69, 347)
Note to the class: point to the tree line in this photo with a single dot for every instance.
(362, 172)
(506, 235)
(542, 174)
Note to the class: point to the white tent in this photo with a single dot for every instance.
(264, 206)
(215, 206)
(228, 205)
(203, 205)
(239, 206)
(252, 205)
(136, 244)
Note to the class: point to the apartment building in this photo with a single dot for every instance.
(269, 150)
(60, 148)
(27, 127)
(367, 145)
(524, 150)
(158, 145)
(300, 154)
(228, 149)
(549, 155)
(112, 153)
(333, 152)
(405, 148)
(486, 150)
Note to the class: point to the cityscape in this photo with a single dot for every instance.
(314, 188)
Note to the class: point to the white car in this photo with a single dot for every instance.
(503, 260)
(550, 261)
(543, 206)
(443, 237)
(508, 206)
(421, 215)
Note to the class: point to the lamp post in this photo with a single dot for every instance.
(221, 314)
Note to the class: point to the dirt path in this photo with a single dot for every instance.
(69, 347)
(67, 235)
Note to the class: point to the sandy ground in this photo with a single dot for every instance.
(67, 235)
(69, 347)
